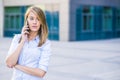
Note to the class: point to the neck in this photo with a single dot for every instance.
(32, 35)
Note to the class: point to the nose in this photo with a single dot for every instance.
(35, 21)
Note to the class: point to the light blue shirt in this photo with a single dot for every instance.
(31, 56)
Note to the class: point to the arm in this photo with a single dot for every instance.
(32, 71)
(41, 70)
(12, 59)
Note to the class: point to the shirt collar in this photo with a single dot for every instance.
(37, 38)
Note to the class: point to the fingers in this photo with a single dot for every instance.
(10, 66)
(25, 30)
(24, 33)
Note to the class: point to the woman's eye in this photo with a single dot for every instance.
(31, 18)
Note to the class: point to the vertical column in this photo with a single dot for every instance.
(64, 21)
(75, 22)
(1, 18)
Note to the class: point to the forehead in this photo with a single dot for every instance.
(32, 14)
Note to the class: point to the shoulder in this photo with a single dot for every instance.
(16, 37)
(47, 41)
(47, 44)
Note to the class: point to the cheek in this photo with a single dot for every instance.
(29, 23)
(38, 25)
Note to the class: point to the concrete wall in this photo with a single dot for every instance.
(64, 21)
(29, 2)
(1, 18)
(75, 3)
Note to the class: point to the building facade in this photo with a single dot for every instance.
(94, 19)
(68, 20)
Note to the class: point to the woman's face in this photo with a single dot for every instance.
(33, 22)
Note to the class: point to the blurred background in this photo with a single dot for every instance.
(84, 33)
(68, 20)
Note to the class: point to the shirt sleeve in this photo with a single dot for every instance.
(45, 56)
(14, 43)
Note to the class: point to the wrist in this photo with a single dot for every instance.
(16, 66)
(22, 41)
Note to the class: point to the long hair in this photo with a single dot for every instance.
(43, 31)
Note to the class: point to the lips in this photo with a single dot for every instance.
(34, 26)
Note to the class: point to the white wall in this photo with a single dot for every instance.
(64, 21)
(28, 2)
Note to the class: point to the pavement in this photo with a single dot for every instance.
(80, 60)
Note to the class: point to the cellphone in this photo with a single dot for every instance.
(27, 25)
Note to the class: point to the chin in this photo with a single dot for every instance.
(34, 30)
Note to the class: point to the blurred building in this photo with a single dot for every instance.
(68, 20)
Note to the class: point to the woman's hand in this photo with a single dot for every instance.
(24, 33)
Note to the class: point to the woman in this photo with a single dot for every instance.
(30, 51)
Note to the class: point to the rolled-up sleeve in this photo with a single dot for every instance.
(45, 56)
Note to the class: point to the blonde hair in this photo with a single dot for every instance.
(43, 31)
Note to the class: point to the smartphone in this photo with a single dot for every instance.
(27, 25)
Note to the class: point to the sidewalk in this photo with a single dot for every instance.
(86, 60)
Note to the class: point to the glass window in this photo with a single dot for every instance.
(118, 19)
(52, 16)
(107, 19)
(87, 18)
(13, 18)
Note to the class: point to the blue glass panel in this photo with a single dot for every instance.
(53, 24)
